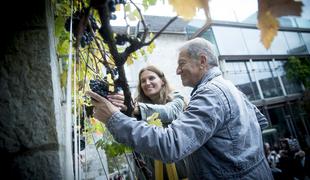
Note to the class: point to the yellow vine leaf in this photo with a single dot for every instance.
(150, 48)
(111, 82)
(93, 121)
(133, 56)
(111, 60)
(269, 11)
(117, 7)
(99, 129)
(154, 120)
(129, 60)
(269, 27)
(187, 9)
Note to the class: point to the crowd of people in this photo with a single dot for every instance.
(287, 160)
(218, 133)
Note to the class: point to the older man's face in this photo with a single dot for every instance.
(189, 69)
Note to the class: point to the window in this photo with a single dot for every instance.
(269, 83)
(291, 86)
(295, 43)
(253, 43)
(238, 73)
(306, 38)
(229, 41)
(279, 45)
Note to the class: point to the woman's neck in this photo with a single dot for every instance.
(155, 99)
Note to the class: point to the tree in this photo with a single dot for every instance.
(299, 69)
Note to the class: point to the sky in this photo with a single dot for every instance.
(230, 10)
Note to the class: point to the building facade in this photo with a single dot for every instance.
(260, 73)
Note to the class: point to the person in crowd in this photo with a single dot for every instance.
(219, 133)
(271, 155)
(156, 96)
(291, 161)
(273, 160)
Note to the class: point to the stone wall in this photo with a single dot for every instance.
(31, 121)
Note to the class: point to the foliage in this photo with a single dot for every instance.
(299, 69)
(111, 147)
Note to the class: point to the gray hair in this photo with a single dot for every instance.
(197, 46)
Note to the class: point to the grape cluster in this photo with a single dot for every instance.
(112, 8)
(100, 87)
(121, 39)
(87, 36)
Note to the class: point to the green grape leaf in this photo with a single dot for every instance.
(63, 78)
(59, 25)
(145, 4)
(154, 120)
(63, 47)
(152, 2)
(127, 8)
(112, 148)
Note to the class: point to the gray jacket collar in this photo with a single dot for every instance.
(208, 76)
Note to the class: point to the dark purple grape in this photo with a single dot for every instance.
(120, 39)
(87, 36)
(100, 87)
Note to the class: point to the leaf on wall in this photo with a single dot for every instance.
(269, 11)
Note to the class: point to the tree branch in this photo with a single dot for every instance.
(146, 29)
(161, 31)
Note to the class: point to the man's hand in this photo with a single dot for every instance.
(118, 100)
(103, 109)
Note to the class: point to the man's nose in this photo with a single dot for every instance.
(179, 70)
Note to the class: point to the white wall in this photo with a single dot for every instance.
(165, 57)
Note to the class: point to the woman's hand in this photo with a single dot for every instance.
(136, 110)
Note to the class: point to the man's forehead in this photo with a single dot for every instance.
(183, 55)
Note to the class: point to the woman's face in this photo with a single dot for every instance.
(151, 83)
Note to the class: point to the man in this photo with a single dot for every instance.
(218, 134)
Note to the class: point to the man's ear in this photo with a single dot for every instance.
(203, 60)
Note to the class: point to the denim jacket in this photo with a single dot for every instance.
(218, 134)
(167, 112)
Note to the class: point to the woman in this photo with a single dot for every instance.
(155, 95)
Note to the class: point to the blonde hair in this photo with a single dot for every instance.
(164, 93)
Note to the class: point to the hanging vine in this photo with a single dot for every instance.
(100, 55)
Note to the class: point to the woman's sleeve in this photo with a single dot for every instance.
(167, 112)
